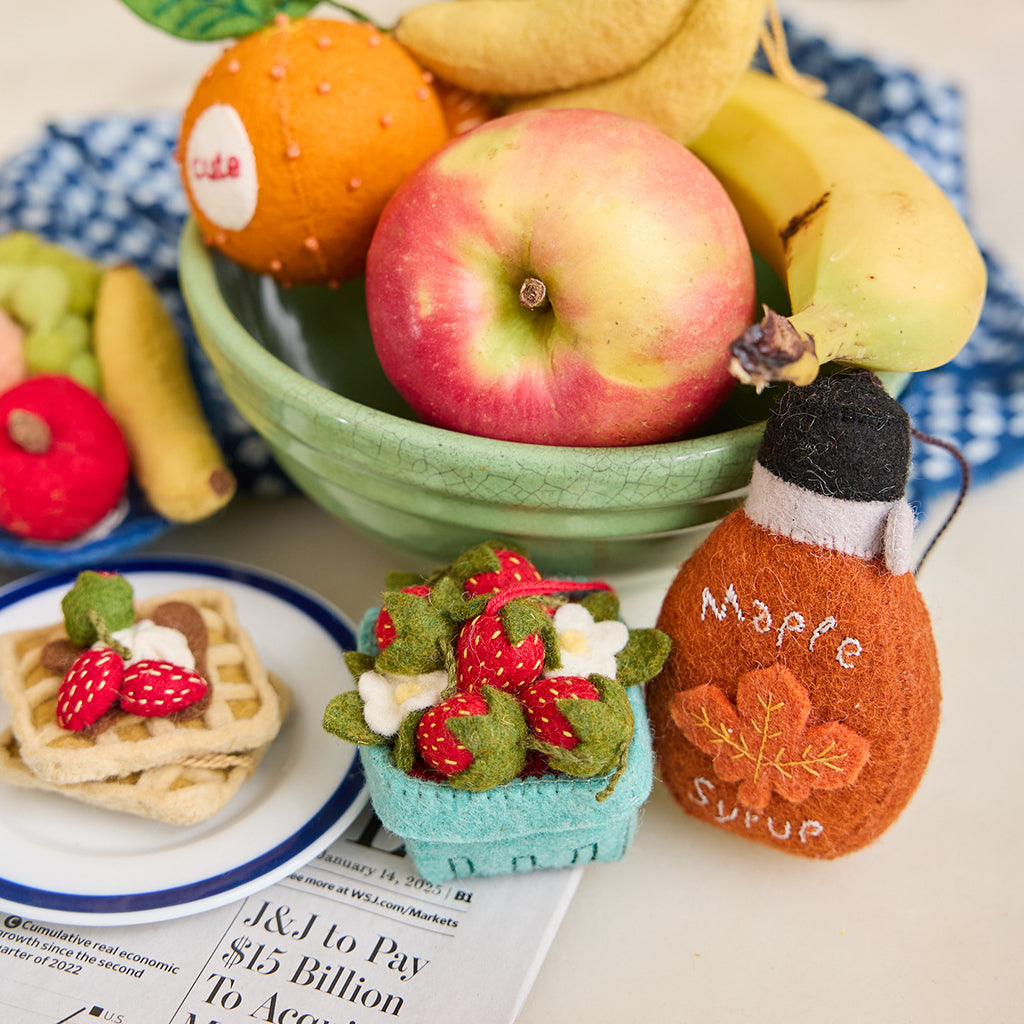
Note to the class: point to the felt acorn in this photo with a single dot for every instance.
(800, 700)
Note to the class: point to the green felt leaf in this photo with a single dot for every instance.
(523, 617)
(357, 663)
(643, 656)
(497, 741)
(423, 633)
(447, 597)
(343, 717)
(398, 580)
(404, 749)
(603, 605)
(203, 20)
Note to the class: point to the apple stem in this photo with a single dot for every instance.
(29, 431)
(533, 293)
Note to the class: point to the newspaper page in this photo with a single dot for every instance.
(354, 937)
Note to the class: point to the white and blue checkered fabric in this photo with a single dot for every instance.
(108, 187)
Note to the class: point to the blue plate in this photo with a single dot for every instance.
(72, 863)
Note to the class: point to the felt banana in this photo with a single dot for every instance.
(518, 47)
(880, 268)
(681, 85)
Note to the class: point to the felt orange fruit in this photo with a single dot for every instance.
(296, 137)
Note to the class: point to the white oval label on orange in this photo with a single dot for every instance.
(220, 167)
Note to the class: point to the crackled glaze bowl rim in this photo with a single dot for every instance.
(695, 469)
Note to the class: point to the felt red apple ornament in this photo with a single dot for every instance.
(63, 460)
(800, 700)
(563, 277)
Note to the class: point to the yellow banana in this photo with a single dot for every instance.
(519, 47)
(681, 85)
(880, 269)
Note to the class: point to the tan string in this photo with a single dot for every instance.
(246, 761)
(776, 52)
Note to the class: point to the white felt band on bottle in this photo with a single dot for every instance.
(867, 529)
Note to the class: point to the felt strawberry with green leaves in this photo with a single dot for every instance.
(512, 570)
(582, 726)
(477, 740)
(541, 701)
(385, 629)
(511, 642)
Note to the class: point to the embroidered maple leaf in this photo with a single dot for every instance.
(762, 741)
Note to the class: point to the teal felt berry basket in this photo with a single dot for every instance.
(553, 821)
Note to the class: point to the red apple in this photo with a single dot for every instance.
(566, 277)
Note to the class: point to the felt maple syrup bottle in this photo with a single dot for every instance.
(800, 700)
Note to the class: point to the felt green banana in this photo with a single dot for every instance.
(519, 47)
(681, 85)
(880, 269)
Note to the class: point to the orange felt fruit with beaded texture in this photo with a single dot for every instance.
(296, 137)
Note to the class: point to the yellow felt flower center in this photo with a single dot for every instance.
(406, 691)
(574, 641)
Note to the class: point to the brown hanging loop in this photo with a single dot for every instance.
(965, 482)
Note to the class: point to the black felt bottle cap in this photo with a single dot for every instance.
(843, 435)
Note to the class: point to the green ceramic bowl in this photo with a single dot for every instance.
(300, 367)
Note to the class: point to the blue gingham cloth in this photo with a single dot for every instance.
(109, 188)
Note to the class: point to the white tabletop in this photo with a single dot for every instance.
(925, 925)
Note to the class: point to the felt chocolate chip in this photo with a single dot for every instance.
(188, 620)
(59, 655)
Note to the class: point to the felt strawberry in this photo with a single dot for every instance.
(484, 655)
(90, 688)
(542, 699)
(513, 639)
(414, 631)
(385, 630)
(602, 728)
(437, 744)
(512, 568)
(152, 688)
(476, 739)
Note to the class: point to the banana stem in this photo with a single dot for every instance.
(773, 350)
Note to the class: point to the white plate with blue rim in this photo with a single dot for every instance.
(70, 863)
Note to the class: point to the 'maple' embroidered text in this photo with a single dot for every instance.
(759, 617)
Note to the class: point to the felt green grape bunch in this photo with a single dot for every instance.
(49, 293)
(485, 672)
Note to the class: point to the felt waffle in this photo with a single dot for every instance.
(243, 711)
(180, 794)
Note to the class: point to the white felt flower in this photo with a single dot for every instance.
(387, 698)
(587, 646)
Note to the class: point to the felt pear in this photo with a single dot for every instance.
(800, 699)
